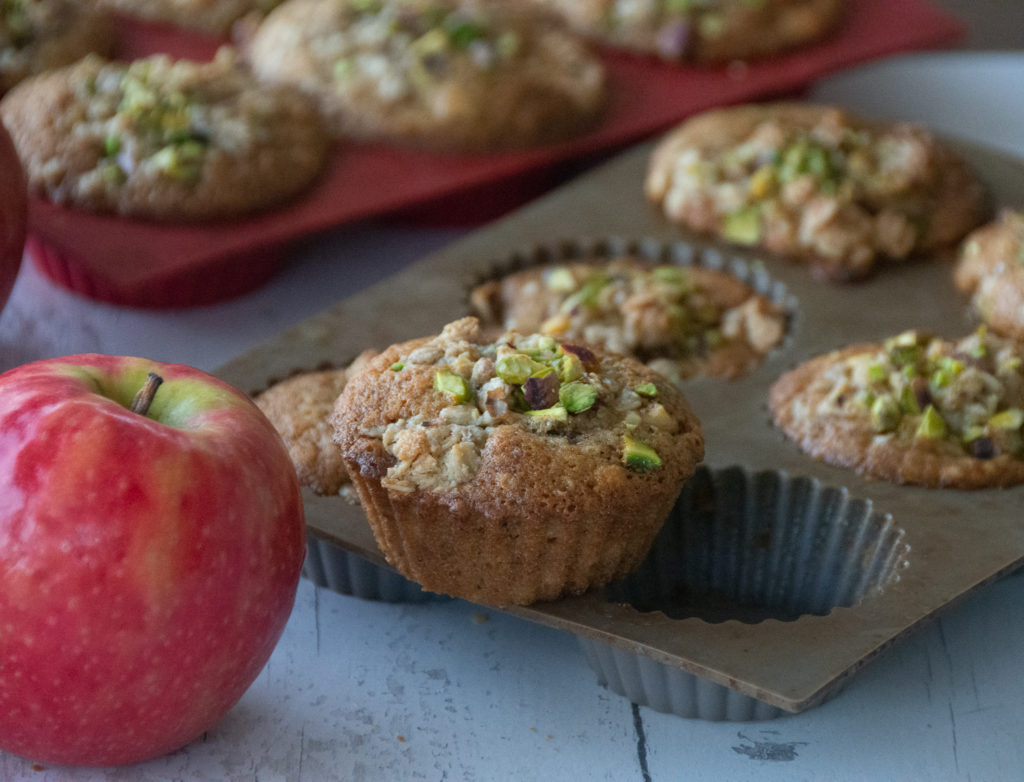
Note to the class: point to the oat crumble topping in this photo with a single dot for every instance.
(533, 382)
(969, 393)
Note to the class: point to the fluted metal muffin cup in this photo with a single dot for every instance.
(749, 547)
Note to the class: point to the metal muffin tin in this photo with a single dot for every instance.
(878, 560)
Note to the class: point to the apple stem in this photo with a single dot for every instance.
(144, 398)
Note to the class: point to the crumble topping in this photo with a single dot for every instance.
(969, 393)
(534, 382)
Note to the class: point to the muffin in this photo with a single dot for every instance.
(455, 75)
(208, 16)
(701, 31)
(164, 140)
(817, 185)
(680, 321)
(513, 471)
(300, 408)
(914, 409)
(38, 35)
(991, 268)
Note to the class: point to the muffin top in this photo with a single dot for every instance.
(913, 409)
(37, 35)
(681, 321)
(442, 408)
(300, 408)
(816, 184)
(991, 267)
(163, 139)
(460, 75)
(701, 30)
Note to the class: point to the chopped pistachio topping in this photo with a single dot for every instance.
(639, 456)
(577, 397)
(647, 389)
(456, 386)
(932, 424)
(743, 226)
(970, 392)
(398, 366)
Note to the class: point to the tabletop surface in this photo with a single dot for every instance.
(360, 690)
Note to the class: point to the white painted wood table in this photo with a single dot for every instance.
(448, 691)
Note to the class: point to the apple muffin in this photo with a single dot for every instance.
(515, 470)
(914, 409)
(701, 31)
(456, 75)
(209, 16)
(680, 321)
(991, 269)
(38, 35)
(300, 408)
(164, 140)
(817, 185)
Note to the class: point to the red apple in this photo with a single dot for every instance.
(148, 560)
(13, 214)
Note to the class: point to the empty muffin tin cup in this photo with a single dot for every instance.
(743, 546)
(331, 566)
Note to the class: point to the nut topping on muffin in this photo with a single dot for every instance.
(681, 321)
(816, 184)
(914, 409)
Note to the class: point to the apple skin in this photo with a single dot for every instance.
(13, 214)
(148, 564)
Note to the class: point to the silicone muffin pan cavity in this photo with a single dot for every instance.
(777, 576)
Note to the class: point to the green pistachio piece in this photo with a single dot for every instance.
(671, 275)
(432, 42)
(588, 292)
(570, 367)
(577, 397)
(743, 226)
(1012, 418)
(398, 366)
(877, 373)
(908, 401)
(932, 424)
(639, 456)
(554, 413)
(647, 389)
(447, 382)
(181, 161)
(885, 414)
(111, 144)
(514, 368)
(463, 32)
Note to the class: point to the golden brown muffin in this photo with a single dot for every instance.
(991, 267)
(164, 140)
(914, 409)
(457, 75)
(680, 321)
(513, 471)
(817, 185)
(38, 35)
(208, 16)
(300, 408)
(702, 31)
